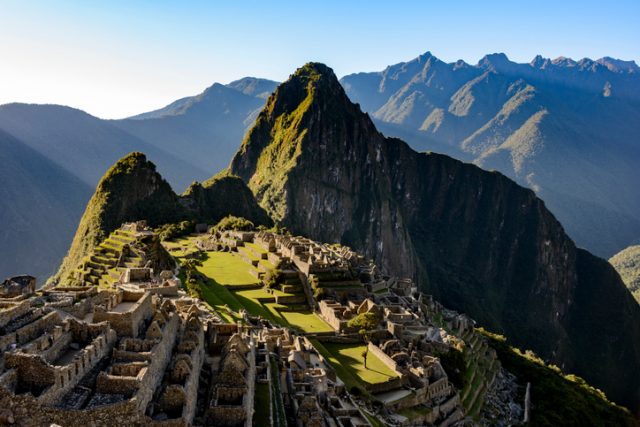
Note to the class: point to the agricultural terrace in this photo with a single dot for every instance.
(233, 284)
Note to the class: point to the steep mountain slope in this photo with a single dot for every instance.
(627, 264)
(41, 205)
(132, 190)
(568, 130)
(203, 130)
(475, 239)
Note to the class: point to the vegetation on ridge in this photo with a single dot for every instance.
(627, 264)
(558, 399)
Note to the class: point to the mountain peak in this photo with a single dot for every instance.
(315, 70)
(619, 65)
(494, 60)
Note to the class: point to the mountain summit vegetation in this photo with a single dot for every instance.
(474, 239)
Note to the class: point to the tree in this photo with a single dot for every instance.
(365, 352)
(367, 321)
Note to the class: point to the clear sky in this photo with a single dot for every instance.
(118, 58)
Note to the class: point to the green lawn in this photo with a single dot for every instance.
(347, 360)
(307, 321)
(256, 247)
(227, 269)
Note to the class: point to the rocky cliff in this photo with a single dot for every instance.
(133, 190)
(475, 239)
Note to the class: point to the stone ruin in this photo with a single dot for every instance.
(143, 353)
(18, 286)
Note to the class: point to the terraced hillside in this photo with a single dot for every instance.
(235, 278)
(109, 260)
(481, 367)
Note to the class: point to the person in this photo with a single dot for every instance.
(364, 356)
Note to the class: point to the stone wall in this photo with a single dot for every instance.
(11, 310)
(332, 315)
(127, 323)
(26, 411)
(375, 350)
(35, 329)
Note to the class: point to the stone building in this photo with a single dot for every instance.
(17, 286)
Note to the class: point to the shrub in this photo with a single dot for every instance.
(234, 223)
(172, 231)
(272, 277)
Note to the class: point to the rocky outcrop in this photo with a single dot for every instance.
(475, 239)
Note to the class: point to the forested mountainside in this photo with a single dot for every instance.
(566, 129)
(475, 239)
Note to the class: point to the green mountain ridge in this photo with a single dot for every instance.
(132, 190)
(476, 240)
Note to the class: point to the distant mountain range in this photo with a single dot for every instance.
(569, 130)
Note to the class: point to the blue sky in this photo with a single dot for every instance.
(118, 58)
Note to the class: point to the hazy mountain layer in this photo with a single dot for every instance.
(203, 130)
(475, 239)
(569, 130)
(39, 209)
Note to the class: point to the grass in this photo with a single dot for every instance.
(307, 321)
(374, 421)
(347, 360)
(278, 406)
(262, 404)
(415, 411)
(227, 269)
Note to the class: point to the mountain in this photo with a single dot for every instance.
(41, 205)
(85, 145)
(627, 264)
(188, 140)
(476, 240)
(254, 86)
(203, 130)
(133, 190)
(566, 129)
